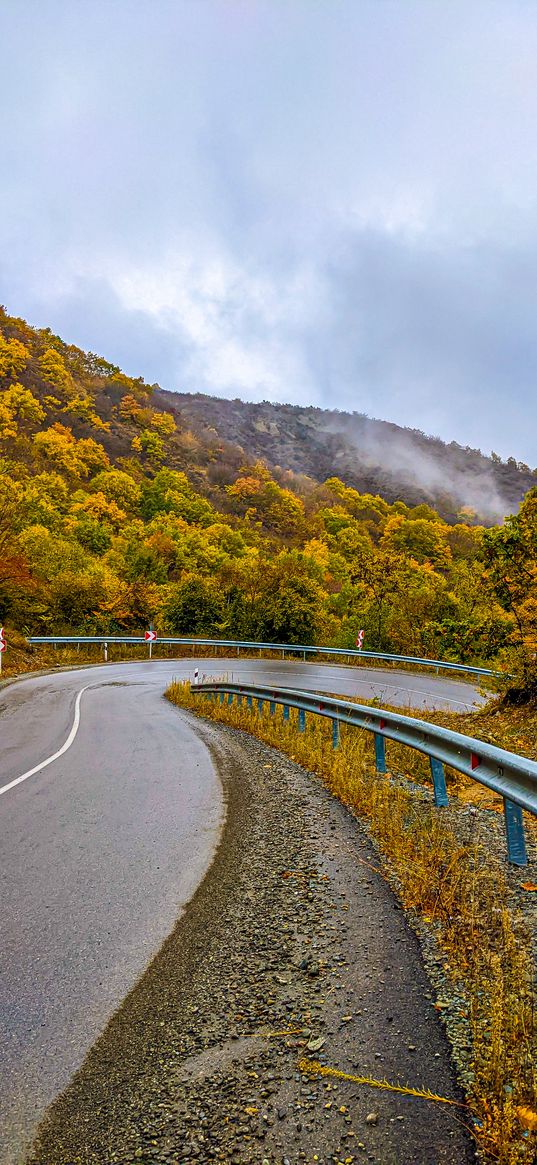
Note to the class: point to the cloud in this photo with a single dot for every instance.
(327, 204)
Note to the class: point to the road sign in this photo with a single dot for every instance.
(150, 636)
(3, 643)
(360, 640)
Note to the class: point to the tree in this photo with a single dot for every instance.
(151, 445)
(53, 369)
(118, 487)
(289, 605)
(257, 496)
(510, 554)
(171, 493)
(418, 537)
(193, 607)
(14, 357)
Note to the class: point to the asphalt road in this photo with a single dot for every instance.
(101, 848)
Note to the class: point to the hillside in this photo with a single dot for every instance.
(372, 456)
(115, 512)
(212, 439)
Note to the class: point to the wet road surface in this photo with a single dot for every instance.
(101, 849)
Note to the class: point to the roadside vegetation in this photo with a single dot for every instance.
(448, 878)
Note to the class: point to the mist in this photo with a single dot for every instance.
(462, 474)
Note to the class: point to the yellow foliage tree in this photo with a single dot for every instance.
(53, 369)
(13, 357)
(58, 446)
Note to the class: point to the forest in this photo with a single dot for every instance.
(114, 514)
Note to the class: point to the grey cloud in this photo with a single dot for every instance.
(320, 203)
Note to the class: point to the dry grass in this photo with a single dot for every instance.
(459, 889)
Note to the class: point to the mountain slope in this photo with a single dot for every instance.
(372, 456)
(121, 505)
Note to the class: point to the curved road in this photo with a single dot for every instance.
(102, 847)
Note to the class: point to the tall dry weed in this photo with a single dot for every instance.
(458, 888)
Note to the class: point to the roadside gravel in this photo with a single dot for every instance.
(292, 928)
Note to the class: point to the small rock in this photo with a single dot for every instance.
(372, 1118)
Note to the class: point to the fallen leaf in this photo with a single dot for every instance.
(529, 886)
(527, 1117)
(315, 1044)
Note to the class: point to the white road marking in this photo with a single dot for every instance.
(56, 755)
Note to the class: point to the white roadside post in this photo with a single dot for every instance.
(150, 638)
(3, 646)
(196, 675)
(360, 640)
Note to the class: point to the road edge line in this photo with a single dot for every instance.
(56, 755)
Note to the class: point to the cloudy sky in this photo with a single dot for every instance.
(329, 202)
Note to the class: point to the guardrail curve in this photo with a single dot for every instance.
(250, 645)
(513, 777)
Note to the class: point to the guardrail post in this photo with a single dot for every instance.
(239, 699)
(439, 782)
(335, 734)
(260, 706)
(249, 701)
(514, 828)
(230, 698)
(286, 711)
(222, 695)
(272, 707)
(301, 719)
(380, 753)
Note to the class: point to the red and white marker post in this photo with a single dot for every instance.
(360, 640)
(150, 638)
(3, 645)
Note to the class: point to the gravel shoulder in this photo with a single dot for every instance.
(293, 928)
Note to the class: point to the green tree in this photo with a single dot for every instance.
(193, 607)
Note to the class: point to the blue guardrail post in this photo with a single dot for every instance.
(272, 707)
(260, 706)
(286, 711)
(439, 782)
(249, 701)
(380, 753)
(514, 828)
(301, 719)
(335, 734)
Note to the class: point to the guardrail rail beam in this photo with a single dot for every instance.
(513, 777)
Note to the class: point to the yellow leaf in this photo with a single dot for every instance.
(527, 1117)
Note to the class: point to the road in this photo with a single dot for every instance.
(101, 848)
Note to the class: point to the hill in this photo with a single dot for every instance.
(122, 505)
(372, 456)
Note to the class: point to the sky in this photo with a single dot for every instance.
(323, 202)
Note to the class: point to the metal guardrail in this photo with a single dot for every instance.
(513, 777)
(249, 645)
